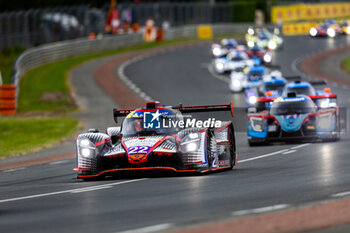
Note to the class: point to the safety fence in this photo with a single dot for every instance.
(48, 53)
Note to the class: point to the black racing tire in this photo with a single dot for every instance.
(209, 141)
(232, 147)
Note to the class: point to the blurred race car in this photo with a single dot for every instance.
(263, 38)
(271, 87)
(265, 56)
(232, 61)
(222, 49)
(306, 88)
(294, 117)
(325, 30)
(158, 138)
(247, 78)
(345, 27)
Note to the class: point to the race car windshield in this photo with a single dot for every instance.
(273, 87)
(256, 73)
(308, 90)
(132, 127)
(293, 107)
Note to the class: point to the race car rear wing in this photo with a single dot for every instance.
(299, 79)
(206, 108)
(184, 109)
(328, 96)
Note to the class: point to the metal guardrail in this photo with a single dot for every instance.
(48, 53)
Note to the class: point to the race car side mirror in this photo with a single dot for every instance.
(116, 138)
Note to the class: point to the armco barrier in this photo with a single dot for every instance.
(48, 53)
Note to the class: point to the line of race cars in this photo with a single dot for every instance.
(278, 108)
(330, 28)
(169, 138)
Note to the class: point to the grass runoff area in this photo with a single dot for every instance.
(44, 103)
(345, 65)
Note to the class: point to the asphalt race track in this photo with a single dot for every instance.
(48, 197)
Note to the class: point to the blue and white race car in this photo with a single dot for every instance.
(232, 61)
(249, 78)
(294, 117)
(222, 49)
(272, 87)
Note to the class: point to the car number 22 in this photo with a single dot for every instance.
(138, 150)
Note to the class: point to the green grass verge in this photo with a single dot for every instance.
(22, 135)
(53, 78)
(345, 65)
(7, 59)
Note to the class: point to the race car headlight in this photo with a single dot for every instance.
(251, 31)
(252, 100)
(85, 142)
(86, 148)
(313, 31)
(236, 83)
(216, 52)
(190, 142)
(272, 45)
(348, 30)
(86, 152)
(250, 44)
(219, 66)
(257, 124)
(331, 32)
(324, 103)
(267, 58)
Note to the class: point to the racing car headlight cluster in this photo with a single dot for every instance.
(191, 142)
(331, 32)
(267, 58)
(252, 99)
(250, 31)
(219, 66)
(313, 31)
(250, 44)
(272, 45)
(236, 83)
(257, 124)
(348, 30)
(216, 52)
(327, 103)
(86, 148)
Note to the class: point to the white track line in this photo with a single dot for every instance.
(58, 162)
(14, 169)
(128, 82)
(342, 194)
(91, 188)
(260, 210)
(289, 152)
(300, 146)
(159, 227)
(263, 156)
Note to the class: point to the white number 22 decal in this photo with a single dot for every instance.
(139, 150)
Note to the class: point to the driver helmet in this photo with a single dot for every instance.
(138, 124)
